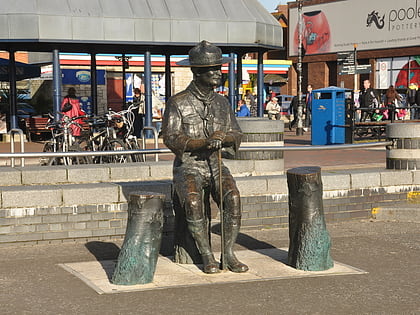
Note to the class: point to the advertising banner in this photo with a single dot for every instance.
(338, 26)
(81, 76)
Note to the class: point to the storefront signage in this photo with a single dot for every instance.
(337, 26)
(81, 76)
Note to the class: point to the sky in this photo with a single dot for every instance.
(271, 5)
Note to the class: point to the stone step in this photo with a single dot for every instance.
(148, 171)
(407, 212)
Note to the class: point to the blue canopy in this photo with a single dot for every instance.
(23, 70)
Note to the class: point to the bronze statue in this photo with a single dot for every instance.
(197, 124)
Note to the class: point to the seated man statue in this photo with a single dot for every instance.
(198, 123)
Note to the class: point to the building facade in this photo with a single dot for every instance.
(348, 41)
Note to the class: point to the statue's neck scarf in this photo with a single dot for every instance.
(206, 98)
(204, 112)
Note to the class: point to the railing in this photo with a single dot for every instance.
(12, 133)
(355, 126)
(155, 137)
(165, 151)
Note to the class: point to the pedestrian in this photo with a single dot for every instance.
(273, 109)
(242, 109)
(369, 101)
(251, 103)
(411, 100)
(198, 123)
(70, 107)
(157, 111)
(308, 107)
(393, 102)
(294, 108)
(138, 101)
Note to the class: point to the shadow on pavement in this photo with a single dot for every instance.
(104, 251)
(251, 243)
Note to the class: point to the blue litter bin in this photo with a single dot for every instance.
(328, 116)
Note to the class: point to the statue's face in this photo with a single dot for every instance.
(208, 76)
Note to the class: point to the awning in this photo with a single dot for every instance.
(23, 70)
(275, 78)
(128, 24)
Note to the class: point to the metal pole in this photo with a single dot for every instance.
(238, 76)
(148, 90)
(299, 129)
(232, 84)
(168, 77)
(222, 223)
(260, 84)
(123, 61)
(355, 66)
(56, 84)
(93, 84)
(12, 91)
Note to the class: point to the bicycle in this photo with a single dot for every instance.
(63, 141)
(122, 123)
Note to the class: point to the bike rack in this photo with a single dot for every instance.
(155, 136)
(12, 133)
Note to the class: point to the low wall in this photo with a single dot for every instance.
(36, 213)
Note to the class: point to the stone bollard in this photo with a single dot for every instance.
(140, 250)
(405, 153)
(309, 241)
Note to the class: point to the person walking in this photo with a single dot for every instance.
(369, 101)
(294, 108)
(70, 107)
(308, 108)
(138, 101)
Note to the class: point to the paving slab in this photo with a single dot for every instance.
(264, 264)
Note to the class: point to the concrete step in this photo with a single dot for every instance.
(407, 212)
(97, 173)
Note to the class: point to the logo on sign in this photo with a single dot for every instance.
(374, 17)
(83, 76)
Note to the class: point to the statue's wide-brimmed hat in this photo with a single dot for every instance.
(205, 54)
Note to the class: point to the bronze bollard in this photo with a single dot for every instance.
(140, 250)
(309, 241)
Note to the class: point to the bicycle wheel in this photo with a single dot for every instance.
(115, 145)
(45, 161)
(133, 145)
(78, 147)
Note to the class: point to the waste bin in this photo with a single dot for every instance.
(328, 116)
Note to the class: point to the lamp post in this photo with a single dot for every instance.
(125, 65)
(299, 129)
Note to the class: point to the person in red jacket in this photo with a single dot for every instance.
(72, 110)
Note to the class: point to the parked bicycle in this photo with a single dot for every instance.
(63, 141)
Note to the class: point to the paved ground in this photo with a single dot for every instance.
(32, 282)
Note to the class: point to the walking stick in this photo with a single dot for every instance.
(222, 234)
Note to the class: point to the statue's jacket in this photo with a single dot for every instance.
(189, 115)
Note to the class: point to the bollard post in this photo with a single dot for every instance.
(309, 241)
(140, 250)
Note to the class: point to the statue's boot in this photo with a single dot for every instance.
(199, 232)
(231, 231)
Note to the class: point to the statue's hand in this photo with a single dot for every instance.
(214, 144)
(218, 135)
